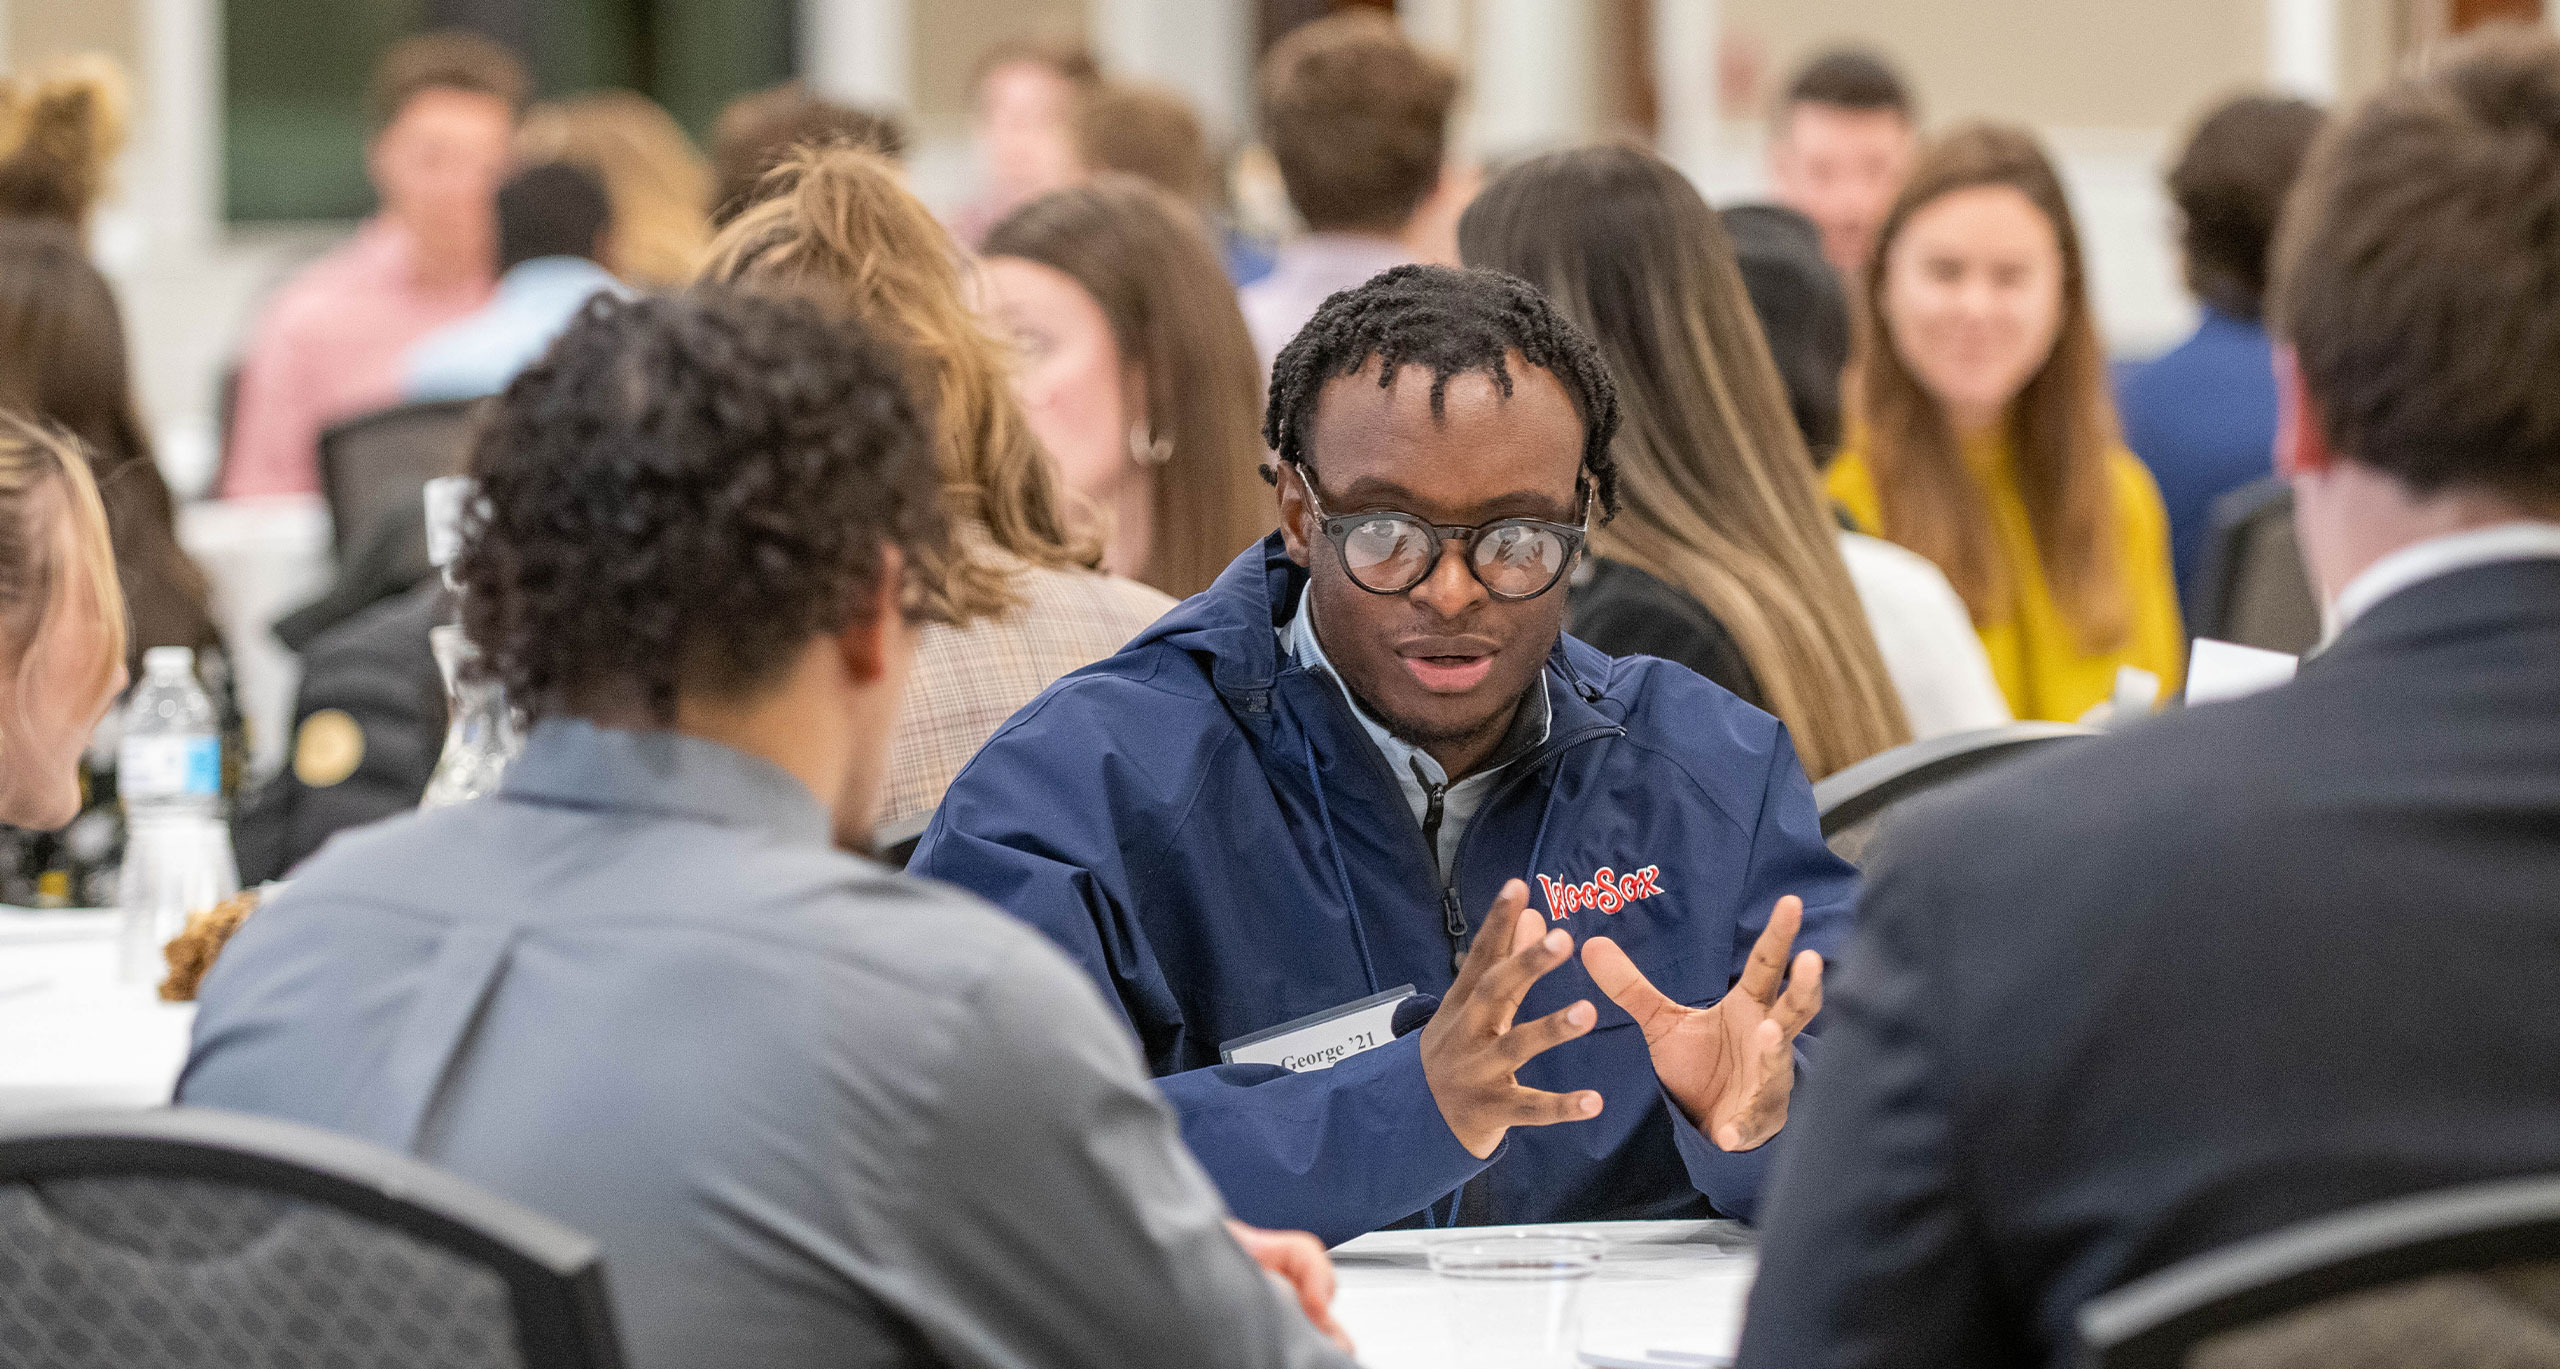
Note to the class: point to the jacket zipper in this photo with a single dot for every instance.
(1450, 915)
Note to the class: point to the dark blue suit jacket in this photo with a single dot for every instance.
(2240, 967)
(2203, 418)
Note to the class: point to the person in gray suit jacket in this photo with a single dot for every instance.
(815, 1112)
(2271, 958)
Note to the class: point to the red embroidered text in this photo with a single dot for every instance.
(1606, 892)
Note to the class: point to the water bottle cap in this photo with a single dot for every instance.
(169, 660)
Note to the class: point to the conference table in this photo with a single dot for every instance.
(73, 1036)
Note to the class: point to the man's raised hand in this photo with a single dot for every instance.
(1731, 1067)
(1472, 1047)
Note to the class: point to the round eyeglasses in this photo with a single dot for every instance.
(1387, 552)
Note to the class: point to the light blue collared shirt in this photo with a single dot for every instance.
(478, 355)
(1415, 770)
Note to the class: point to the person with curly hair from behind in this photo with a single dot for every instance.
(815, 1112)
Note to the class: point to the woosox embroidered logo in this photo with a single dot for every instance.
(1607, 891)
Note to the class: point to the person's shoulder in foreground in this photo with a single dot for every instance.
(2132, 1002)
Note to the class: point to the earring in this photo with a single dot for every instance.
(1147, 449)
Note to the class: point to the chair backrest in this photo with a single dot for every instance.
(2416, 1282)
(895, 842)
(1856, 802)
(2254, 589)
(185, 1238)
(379, 463)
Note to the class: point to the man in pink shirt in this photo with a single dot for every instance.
(329, 345)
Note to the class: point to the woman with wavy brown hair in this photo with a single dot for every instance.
(1722, 556)
(1026, 602)
(1984, 438)
(62, 629)
(1133, 363)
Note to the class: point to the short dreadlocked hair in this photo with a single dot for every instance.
(1457, 323)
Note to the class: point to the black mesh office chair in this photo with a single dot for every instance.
(2466, 1277)
(2253, 589)
(185, 1238)
(378, 464)
(1856, 802)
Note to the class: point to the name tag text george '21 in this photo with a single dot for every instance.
(1321, 1040)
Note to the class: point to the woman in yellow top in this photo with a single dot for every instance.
(1984, 437)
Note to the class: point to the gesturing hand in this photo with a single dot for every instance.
(1471, 1047)
(1730, 1067)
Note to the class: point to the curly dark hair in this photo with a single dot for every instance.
(683, 493)
(1457, 323)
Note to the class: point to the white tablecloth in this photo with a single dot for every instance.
(1662, 1286)
(71, 1036)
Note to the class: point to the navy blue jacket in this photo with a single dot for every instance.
(2203, 418)
(1205, 827)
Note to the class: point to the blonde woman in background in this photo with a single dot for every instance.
(62, 631)
(1723, 556)
(1985, 440)
(839, 223)
(1137, 372)
(657, 180)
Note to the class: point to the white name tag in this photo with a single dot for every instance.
(1321, 1040)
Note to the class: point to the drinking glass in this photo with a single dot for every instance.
(1514, 1301)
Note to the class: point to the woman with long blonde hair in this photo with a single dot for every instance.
(1983, 436)
(837, 223)
(1722, 556)
(62, 630)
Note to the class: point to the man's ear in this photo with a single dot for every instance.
(2302, 440)
(1297, 519)
(868, 645)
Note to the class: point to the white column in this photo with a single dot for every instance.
(1202, 48)
(859, 51)
(178, 145)
(2302, 47)
(1686, 38)
(1533, 83)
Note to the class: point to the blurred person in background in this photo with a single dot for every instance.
(1358, 119)
(814, 1112)
(62, 625)
(1984, 438)
(1153, 134)
(1929, 645)
(2261, 961)
(1723, 556)
(1137, 374)
(1841, 141)
(758, 132)
(656, 179)
(64, 364)
(554, 220)
(840, 222)
(328, 346)
(1024, 97)
(2203, 416)
(61, 127)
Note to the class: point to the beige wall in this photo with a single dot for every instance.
(949, 35)
(38, 29)
(2068, 63)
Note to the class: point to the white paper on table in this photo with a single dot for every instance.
(2219, 671)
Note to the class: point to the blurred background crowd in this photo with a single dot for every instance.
(295, 215)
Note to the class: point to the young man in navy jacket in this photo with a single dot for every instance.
(1287, 798)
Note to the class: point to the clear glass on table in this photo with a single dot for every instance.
(1514, 1300)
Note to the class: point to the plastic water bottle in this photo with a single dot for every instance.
(177, 852)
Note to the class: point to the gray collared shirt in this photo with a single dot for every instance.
(816, 1113)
